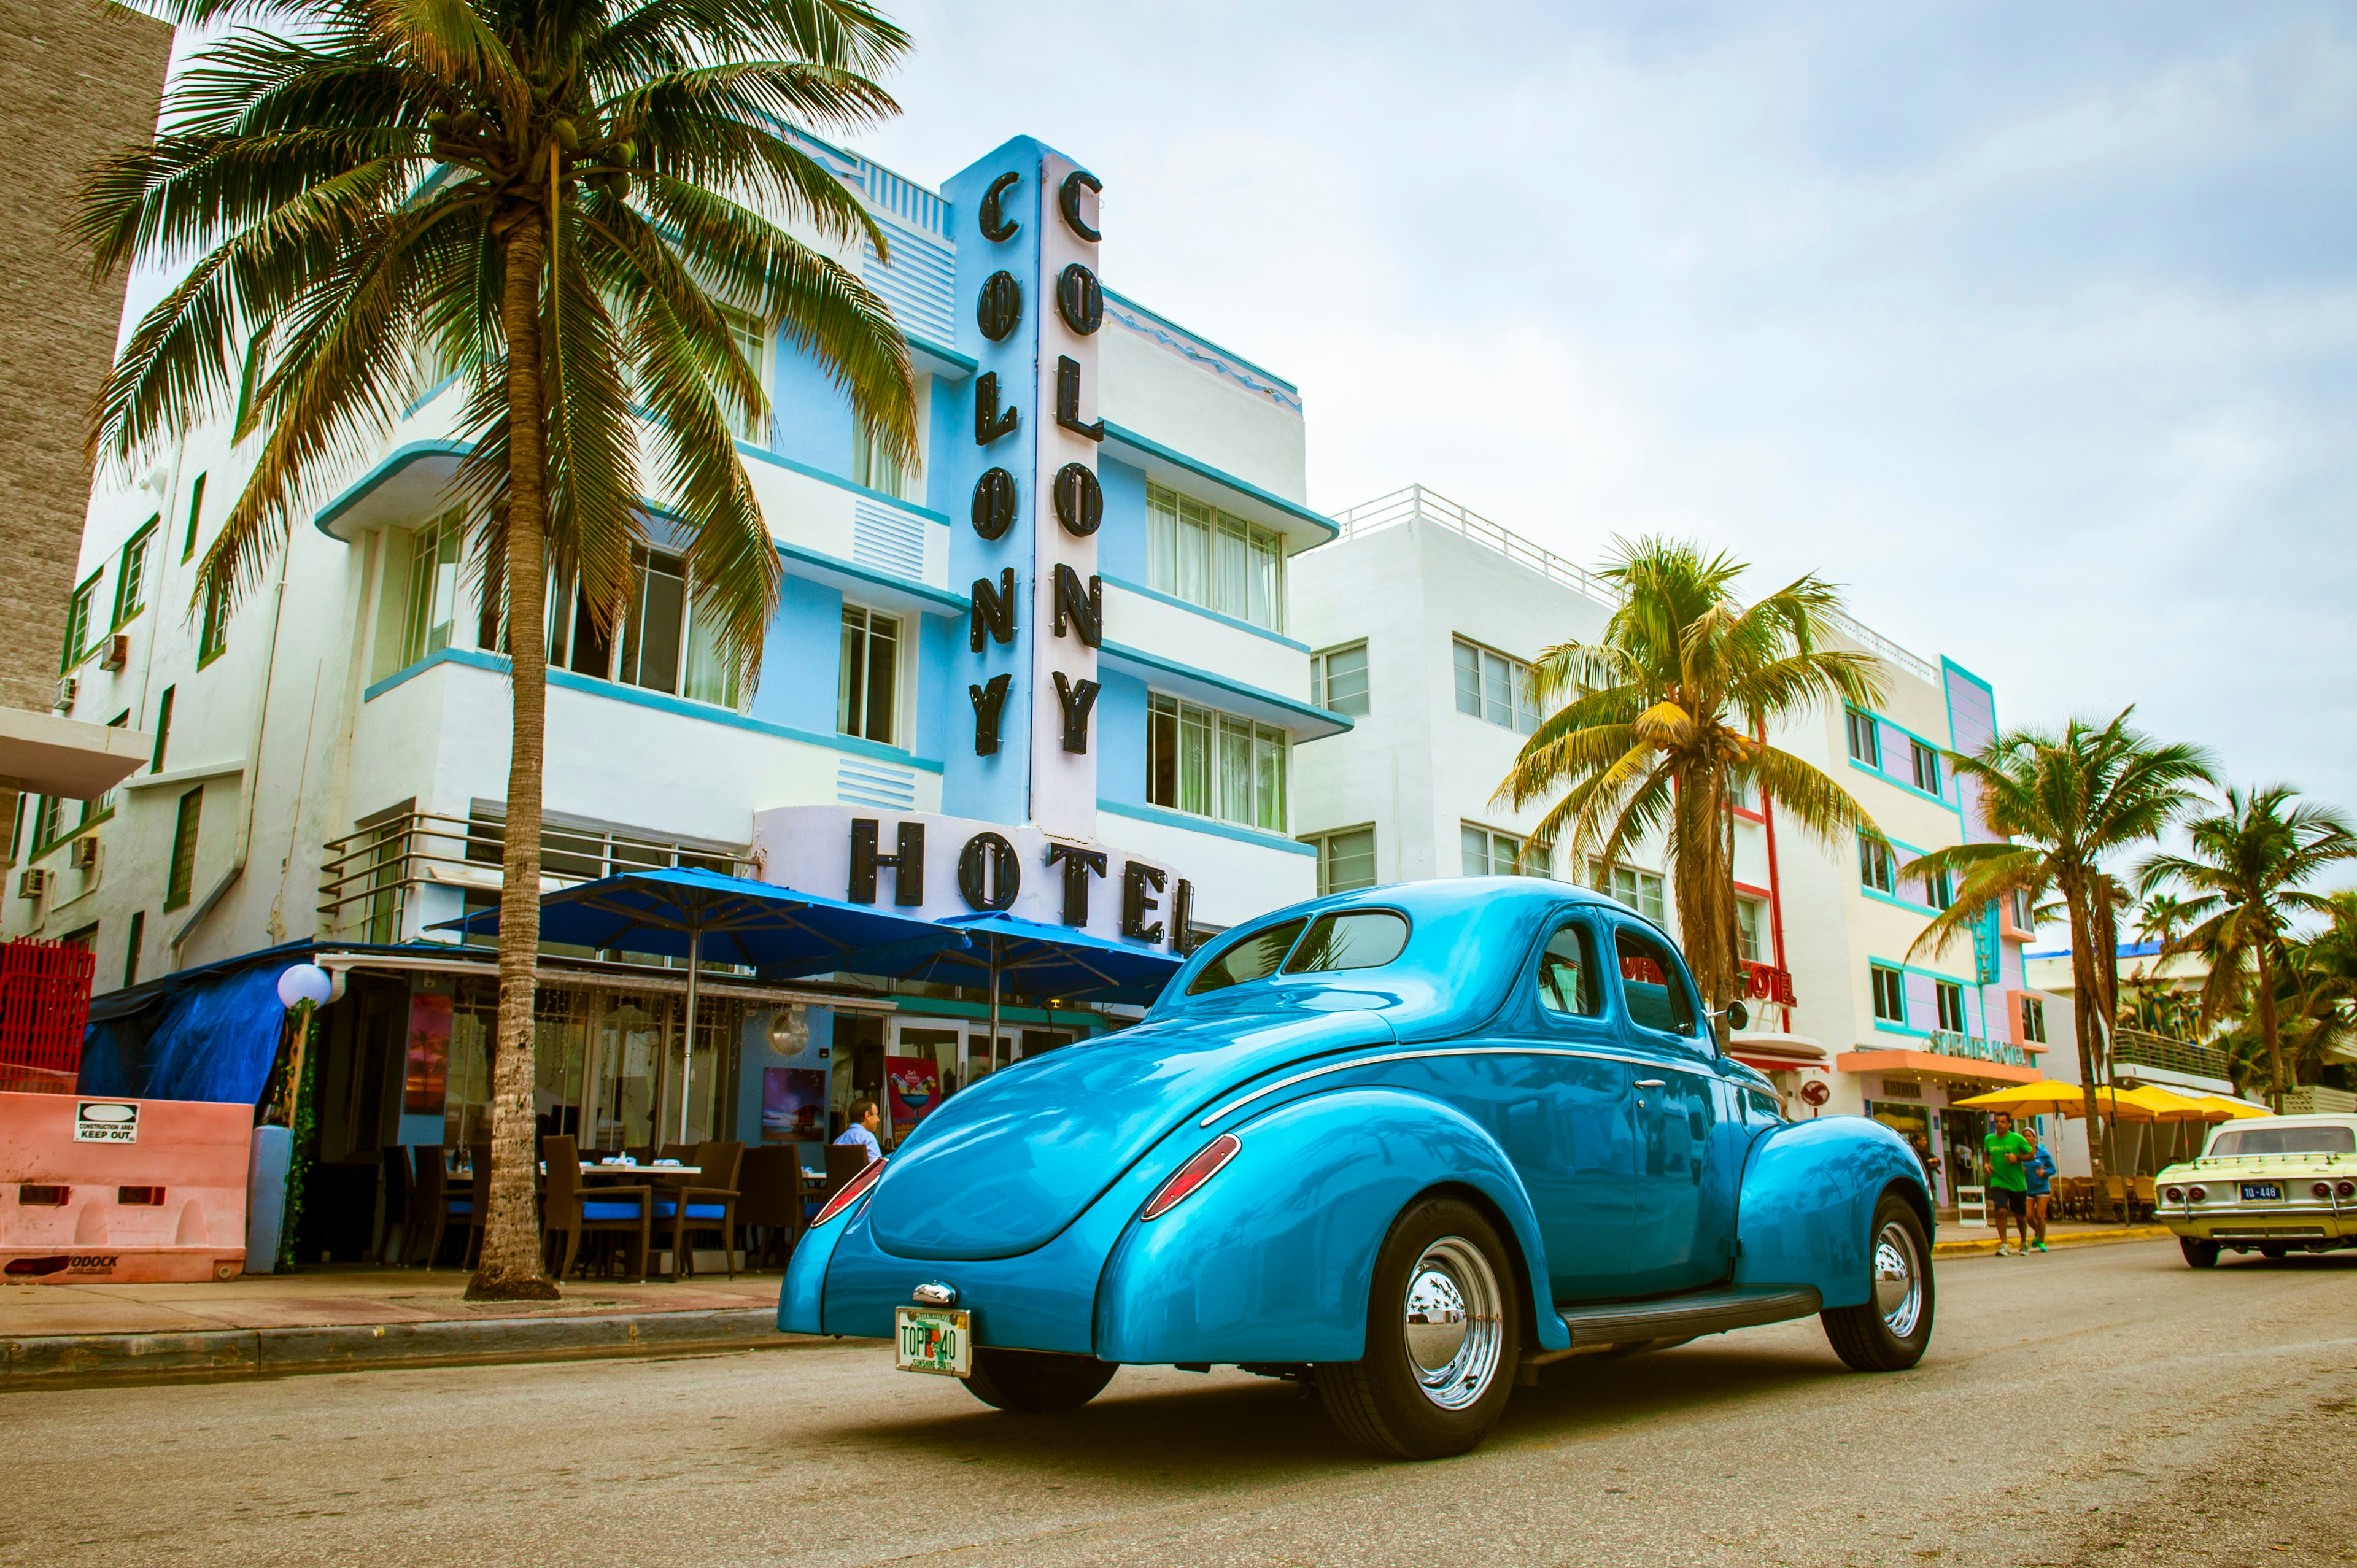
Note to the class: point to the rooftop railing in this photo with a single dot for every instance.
(2141, 1048)
(1416, 503)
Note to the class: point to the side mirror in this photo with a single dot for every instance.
(1739, 1016)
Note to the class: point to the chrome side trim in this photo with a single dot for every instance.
(1284, 1083)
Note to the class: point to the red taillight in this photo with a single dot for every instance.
(850, 1193)
(2174, 1195)
(1191, 1175)
(2197, 1193)
(2322, 1189)
(2345, 1189)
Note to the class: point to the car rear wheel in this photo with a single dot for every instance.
(1892, 1328)
(1443, 1337)
(1036, 1383)
(2198, 1254)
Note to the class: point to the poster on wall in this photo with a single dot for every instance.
(793, 1105)
(425, 1075)
(914, 1086)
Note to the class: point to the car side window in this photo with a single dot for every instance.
(1650, 984)
(1252, 956)
(1567, 982)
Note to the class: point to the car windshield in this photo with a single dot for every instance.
(2327, 1140)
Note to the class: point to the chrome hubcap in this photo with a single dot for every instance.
(1898, 1280)
(1454, 1323)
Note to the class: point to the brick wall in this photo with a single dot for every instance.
(79, 79)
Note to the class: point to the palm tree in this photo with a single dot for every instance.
(2323, 972)
(560, 200)
(1664, 721)
(2064, 804)
(2246, 867)
(2159, 920)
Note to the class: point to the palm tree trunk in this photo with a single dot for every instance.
(1704, 893)
(2089, 997)
(509, 1268)
(2267, 1031)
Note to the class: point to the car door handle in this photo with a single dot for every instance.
(1650, 1082)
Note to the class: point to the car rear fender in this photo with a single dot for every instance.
(1807, 1203)
(801, 1300)
(1271, 1259)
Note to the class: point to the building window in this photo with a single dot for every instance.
(1750, 928)
(1865, 746)
(658, 616)
(1889, 995)
(1643, 891)
(131, 947)
(1939, 888)
(1337, 678)
(2019, 898)
(1952, 1005)
(1494, 688)
(867, 684)
(2033, 1020)
(80, 613)
(195, 513)
(1205, 556)
(1212, 764)
(1488, 853)
(163, 729)
(752, 340)
(1926, 765)
(48, 822)
(872, 464)
(1345, 859)
(183, 875)
(131, 575)
(1875, 869)
(212, 630)
(433, 610)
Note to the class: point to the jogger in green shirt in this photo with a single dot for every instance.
(2009, 1181)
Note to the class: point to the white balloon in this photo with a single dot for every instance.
(306, 982)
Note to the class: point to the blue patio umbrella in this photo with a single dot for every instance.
(683, 912)
(1037, 958)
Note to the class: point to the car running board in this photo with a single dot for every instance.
(1676, 1318)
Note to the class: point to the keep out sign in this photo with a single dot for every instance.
(106, 1121)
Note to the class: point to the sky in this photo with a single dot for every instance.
(2033, 327)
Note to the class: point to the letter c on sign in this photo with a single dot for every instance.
(1068, 199)
(997, 226)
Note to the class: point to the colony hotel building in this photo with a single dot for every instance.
(1425, 617)
(1065, 627)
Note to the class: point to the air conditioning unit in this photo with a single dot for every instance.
(84, 853)
(33, 884)
(68, 688)
(118, 652)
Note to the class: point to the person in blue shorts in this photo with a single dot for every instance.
(2038, 1177)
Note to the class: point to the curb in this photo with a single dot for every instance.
(53, 1360)
(2056, 1243)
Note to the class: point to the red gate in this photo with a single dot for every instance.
(44, 1009)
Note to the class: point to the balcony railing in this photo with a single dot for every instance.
(1416, 503)
(2140, 1048)
(369, 874)
(1973, 1048)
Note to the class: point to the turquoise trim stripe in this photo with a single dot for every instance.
(839, 482)
(661, 702)
(1309, 711)
(1193, 824)
(1206, 342)
(1908, 786)
(1242, 486)
(395, 461)
(952, 603)
(1142, 591)
(943, 352)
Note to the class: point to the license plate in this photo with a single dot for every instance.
(2252, 1191)
(934, 1339)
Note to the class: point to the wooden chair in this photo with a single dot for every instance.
(399, 1198)
(477, 1207)
(575, 1207)
(710, 1204)
(844, 1161)
(437, 1204)
(770, 1203)
(2146, 1198)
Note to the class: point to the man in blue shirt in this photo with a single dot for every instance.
(864, 1119)
(2038, 1172)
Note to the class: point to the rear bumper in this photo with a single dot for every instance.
(2289, 1222)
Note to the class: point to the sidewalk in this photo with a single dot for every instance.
(1966, 1241)
(358, 1314)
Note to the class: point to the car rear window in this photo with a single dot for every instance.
(2286, 1141)
(1252, 956)
(1354, 939)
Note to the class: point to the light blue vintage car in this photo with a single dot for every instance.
(1409, 1145)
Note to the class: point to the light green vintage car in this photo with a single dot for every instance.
(2266, 1185)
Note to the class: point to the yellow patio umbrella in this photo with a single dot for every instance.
(2222, 1109)
(2048, 1097)
(2163, 1105)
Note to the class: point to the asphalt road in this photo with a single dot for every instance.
(2104, 1405)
